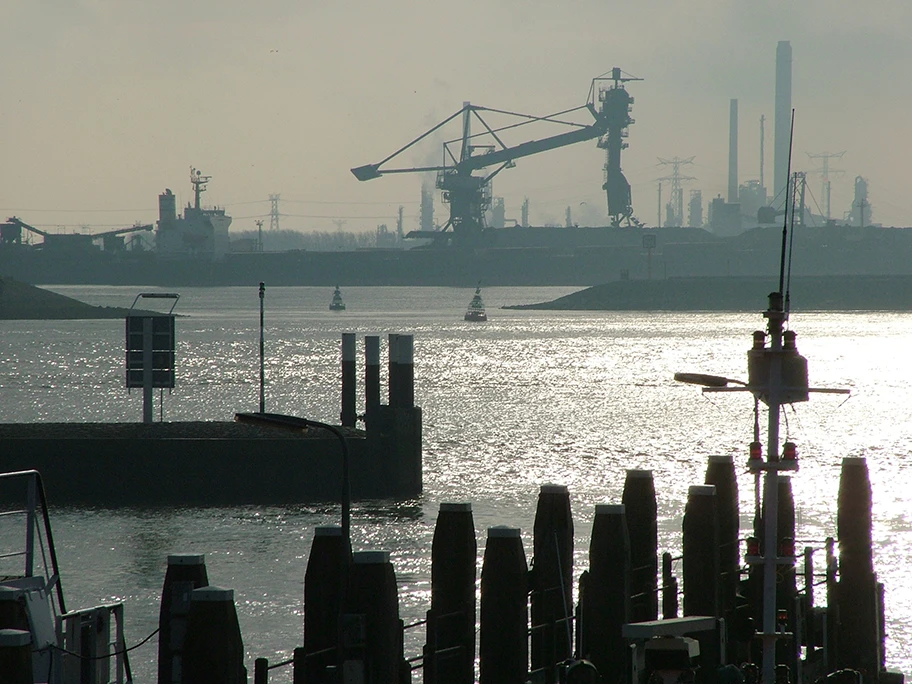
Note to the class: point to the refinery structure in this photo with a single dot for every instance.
(727, 235)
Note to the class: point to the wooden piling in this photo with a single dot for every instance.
(701, 552)
(552, 577)
(449, 656)
(859, 640)
(324, 581)
(213, 650)
(639, 499)
(605, 600)
(185, 573)
(503, 651)
(371, 629)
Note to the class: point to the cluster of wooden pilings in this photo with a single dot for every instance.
(528, 627)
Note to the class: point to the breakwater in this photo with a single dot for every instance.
(228, 463)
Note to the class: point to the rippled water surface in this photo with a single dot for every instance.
(526, 398)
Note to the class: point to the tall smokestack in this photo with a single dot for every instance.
(783, 118)
(733, 153)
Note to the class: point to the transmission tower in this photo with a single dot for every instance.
(824, 172)
(339, 223)
(676, 203)
(274, 212)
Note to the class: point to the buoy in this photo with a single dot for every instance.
(213, 649)
(605, 601)
(503, 649)
(324, 581)
(639, 498)
(552, 579)
(186, 572)
(451, 620)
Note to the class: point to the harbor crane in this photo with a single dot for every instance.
(11, 232)
(469, 195)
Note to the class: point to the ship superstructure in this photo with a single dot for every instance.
(200, 231)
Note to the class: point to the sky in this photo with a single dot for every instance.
(105, 103)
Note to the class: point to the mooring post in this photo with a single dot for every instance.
(552, 590)
(324, 585)
(348, 415)
(639, 498)
(393, 370)
(262, 352)
(503, 648)
(406, 381)
(606, 597)
(669, 589)
(450, 653)
(371, 379)
(185, 572)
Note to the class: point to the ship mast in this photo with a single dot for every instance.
(198, 180)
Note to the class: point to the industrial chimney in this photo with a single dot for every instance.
(783, 118)
(733, 153)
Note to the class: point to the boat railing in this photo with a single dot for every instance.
(89, 640)
(65, 644)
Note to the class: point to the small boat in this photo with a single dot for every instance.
(337, 304)
(476, 310)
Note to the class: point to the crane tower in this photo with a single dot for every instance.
(615, 105)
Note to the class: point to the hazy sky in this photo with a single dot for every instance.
(105, 103)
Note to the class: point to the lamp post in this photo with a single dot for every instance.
(295, 424)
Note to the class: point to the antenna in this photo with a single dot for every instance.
(785, 221)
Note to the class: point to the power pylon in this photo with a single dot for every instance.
(677, 191)
(274, 212)
(824, 172)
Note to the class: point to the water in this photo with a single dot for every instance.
(526, 398)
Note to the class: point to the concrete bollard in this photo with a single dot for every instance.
(213, 650)
(503, 650)
(449, 656)
(371, 379)
(185, 573)
(324, 581)
(16, 656)
(701, 552)
(720, 472)
(859, 639)
(348, 415)
(552, 579)
(639, 498)
(605, 601)
(371, 630)
(393, 370)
